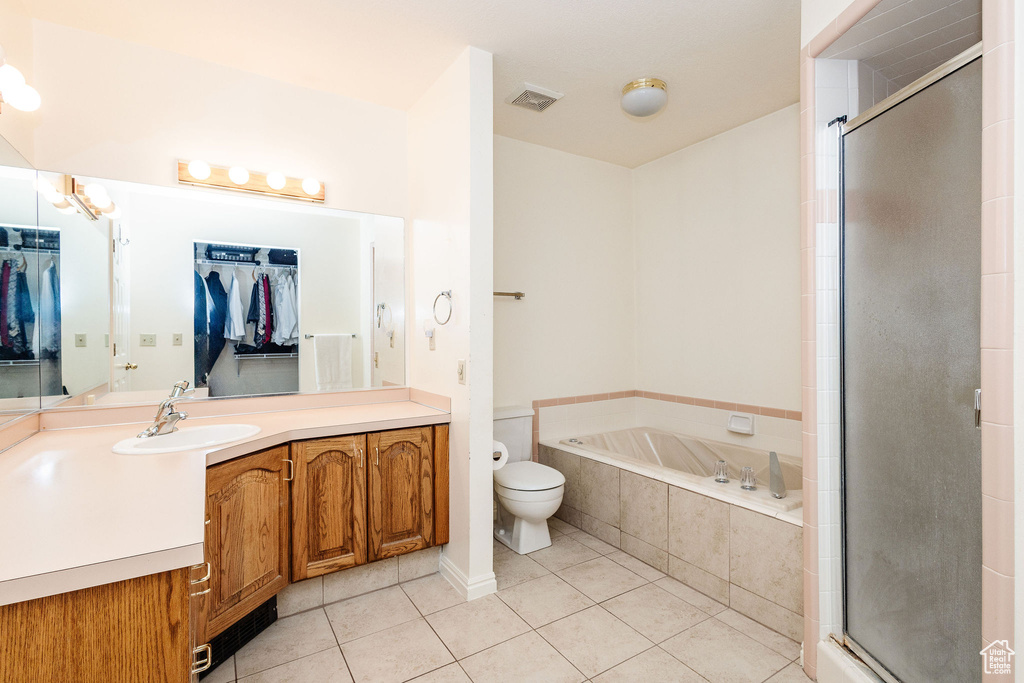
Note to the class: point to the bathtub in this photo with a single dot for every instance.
(689, 462)
(652, 494)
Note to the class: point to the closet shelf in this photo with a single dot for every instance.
(244, 356)
(26, 363)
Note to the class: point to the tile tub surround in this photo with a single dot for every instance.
(749, 561)
(774, 429)
(601, 615)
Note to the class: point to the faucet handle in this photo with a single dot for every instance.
(181, 389)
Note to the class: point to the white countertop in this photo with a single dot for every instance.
(75, 514)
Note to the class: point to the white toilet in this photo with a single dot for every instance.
(528, 493)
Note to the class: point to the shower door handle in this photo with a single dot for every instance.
(977, 408)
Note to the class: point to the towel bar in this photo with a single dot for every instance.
(310, 336)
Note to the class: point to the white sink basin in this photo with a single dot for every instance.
(186, 439)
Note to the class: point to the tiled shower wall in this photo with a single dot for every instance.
(774, 429)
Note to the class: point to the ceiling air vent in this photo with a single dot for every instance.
(533, 97)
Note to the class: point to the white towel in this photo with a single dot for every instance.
(332, 360)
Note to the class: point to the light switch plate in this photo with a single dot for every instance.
(462, 371)
(176, 339)
(147, 340)
(79, 340)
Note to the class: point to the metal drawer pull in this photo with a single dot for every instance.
(201, 666)
(377, 451)
(291, 470)
(209, 570)
(360, 450)
(196, 595)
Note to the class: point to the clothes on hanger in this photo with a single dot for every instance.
(234, 324)
(218, 315)
(201, 329)
(49, 312)
(286, 324)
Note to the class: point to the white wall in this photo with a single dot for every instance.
(113, 109)
(164, 225)
(1018, 339)
(563, 235)
(16, 37)
(717, 239)
(451, 224)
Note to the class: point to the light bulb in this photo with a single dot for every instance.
(3, 55)
(102, 202)
(238, 175)
(95, 191)
(49, 192)
(67, 210)
(116, 213)
(10, 79)
(276, 180)
(311, 186)
(23, 98)
(61, 203)
(200, 170)
(644, 96)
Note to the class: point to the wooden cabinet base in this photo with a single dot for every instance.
(135, 630)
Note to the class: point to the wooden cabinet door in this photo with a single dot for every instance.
(401, 491)
(247, 537)
(328, 505)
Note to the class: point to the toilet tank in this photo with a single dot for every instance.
(513, 426)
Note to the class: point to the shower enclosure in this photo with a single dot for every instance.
(910, 350)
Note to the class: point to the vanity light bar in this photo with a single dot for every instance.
(201, 174)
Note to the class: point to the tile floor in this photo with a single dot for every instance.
(579, 610)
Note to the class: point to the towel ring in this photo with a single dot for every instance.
(448, 295)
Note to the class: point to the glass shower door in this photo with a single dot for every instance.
(911, 274)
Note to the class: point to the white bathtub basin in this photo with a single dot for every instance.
(186, 439)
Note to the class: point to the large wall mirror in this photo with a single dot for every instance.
(19, 287)
(238, 294)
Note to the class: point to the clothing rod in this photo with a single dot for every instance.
(310, 336)
(516, 295)
(247, 264)
(28, 250)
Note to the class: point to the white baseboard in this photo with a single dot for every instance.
(471, 590)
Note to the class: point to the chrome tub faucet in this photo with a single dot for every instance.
(777, 484)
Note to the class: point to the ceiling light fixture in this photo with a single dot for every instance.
(240, 179)
(13, 89)
(644, 96)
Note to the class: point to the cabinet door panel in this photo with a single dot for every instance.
(401, 491)
(328, 505)
(247, 537)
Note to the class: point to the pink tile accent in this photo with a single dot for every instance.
(725, 405)
(997, 535)
(744, 408)
(688, 400)
(568, 401)
(997, 236)
(773, 412)
(704, 403)
(996, 605)
(546, 403)
(820, 42)
(997, 311)
(997, 161)
(997, 472)
(996, 387)
(794, 415)
(997, 22)
(997, 69)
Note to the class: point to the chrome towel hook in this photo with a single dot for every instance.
(448, 295)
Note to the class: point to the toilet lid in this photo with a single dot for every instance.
(528, 476)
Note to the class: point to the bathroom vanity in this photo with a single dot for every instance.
(140, 560)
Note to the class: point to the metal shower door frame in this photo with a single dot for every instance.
(844, 127)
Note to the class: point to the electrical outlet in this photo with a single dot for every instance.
(462, 371)
(176, 339)
(79, 340)
(147, 340)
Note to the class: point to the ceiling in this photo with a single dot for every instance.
(726, 63)
(906, 39)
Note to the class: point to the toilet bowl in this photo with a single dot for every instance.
(528, 494)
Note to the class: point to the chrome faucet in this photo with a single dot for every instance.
(777, 484)
(167, 418)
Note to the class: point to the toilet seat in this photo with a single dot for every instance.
(528, 476)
